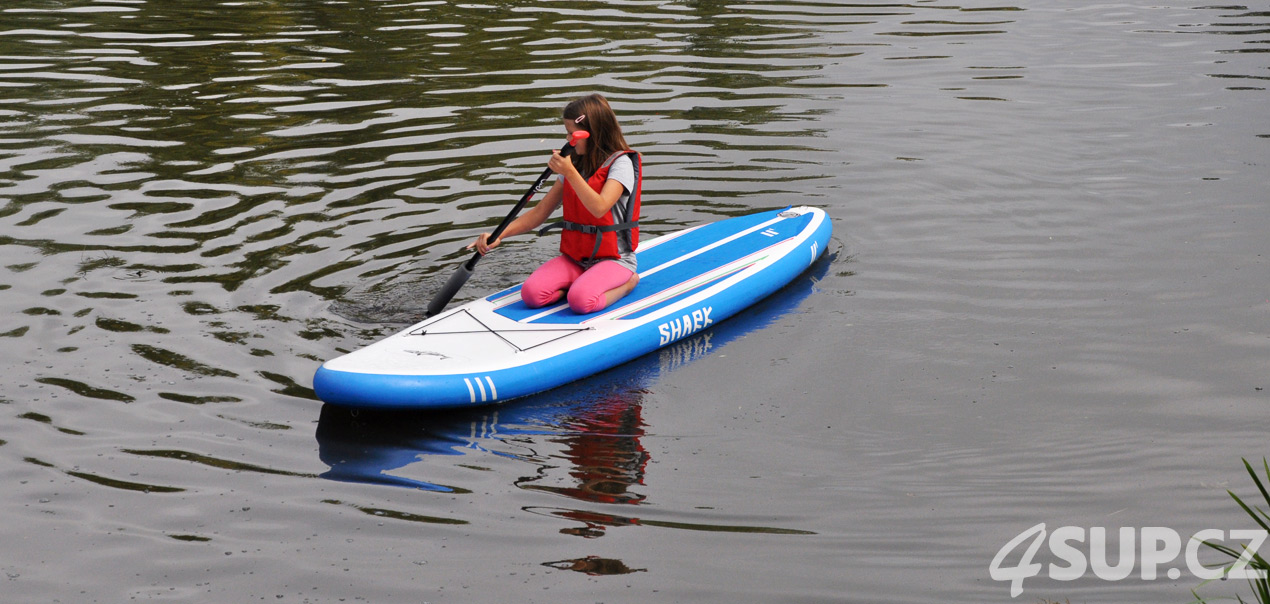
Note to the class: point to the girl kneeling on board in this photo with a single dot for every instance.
(599, 189)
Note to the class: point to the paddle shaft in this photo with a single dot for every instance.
(465, 270)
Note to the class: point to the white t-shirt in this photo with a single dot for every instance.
(623, 171)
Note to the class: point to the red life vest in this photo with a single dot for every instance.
(587, 237)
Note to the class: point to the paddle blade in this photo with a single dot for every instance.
(452, 287)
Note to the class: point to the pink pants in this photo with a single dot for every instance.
(586, 287)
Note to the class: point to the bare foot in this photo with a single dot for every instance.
(617, 293)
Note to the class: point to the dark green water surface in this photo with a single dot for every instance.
(1047, 298)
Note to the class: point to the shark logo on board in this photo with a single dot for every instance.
(685, 325)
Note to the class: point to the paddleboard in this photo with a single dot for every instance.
(496, 348)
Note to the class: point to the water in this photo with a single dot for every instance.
(1046, 299)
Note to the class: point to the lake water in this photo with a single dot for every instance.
(1047, 298)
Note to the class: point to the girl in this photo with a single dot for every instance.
(599, 189)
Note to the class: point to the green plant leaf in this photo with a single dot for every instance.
(1257, 480)
(1250, 512)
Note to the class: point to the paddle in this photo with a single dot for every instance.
(464, 271)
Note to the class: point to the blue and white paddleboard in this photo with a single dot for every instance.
(495, 348)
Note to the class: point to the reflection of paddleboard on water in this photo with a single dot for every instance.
(367, 446)
(496, 348)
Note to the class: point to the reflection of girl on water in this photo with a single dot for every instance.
(606, 454)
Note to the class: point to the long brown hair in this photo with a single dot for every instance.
(593, 114)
